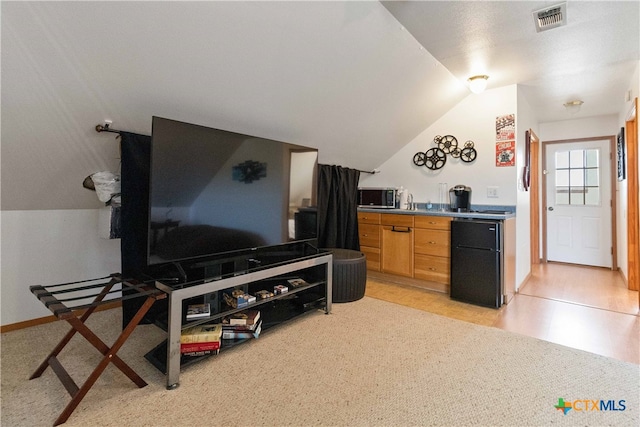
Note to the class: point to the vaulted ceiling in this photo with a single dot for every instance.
(591, 58)
(358, 80)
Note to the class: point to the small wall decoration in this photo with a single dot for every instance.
(435, 158)
(249, 171)
(468, 154)
(506, 127)
(526, 169)
(505, 153)
(620, 153)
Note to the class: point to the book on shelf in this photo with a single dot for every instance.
(201, 353)
(243, 318)
(280, 289)
(264, 294)
(230, 334)
(199, 346)
(201, 333)
(238, 299)
(198, 311)
(297, 282)
(239, 327)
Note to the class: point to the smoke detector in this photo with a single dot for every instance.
(550, 17)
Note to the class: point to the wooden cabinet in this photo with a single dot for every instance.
(369, 234)
(397, 244)
(416, 249)
(406, 245)
(432, 249)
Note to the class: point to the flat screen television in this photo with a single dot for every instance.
(213, 191)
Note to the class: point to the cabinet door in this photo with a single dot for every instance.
(432, 242)
(397, 250)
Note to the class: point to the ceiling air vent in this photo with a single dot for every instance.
(550, 17)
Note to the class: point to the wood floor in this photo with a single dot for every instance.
(581, 307)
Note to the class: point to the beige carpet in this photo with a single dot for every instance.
(369, 363)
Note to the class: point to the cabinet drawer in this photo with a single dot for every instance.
(368, 218)
(372, 256)
(369, 235)
(433, 268)
(397, 219)
(432, 242)
(433, 222)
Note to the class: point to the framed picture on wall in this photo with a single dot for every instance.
(505, 153)
(620, 152)
(506, 127)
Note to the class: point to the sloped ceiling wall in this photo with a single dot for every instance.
(343, 77)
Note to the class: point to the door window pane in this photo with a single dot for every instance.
(562, 160)
(592, 158)
(562, 178)
(576, 196)
(577, 177)
(576, 159)
(562, 195)
(592, 196)
(592, 179)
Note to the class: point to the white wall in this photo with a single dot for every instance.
(474, 118)
(345, 77)
(66, 245)
(525, 120)
(341, 76)
(48, 247)
(621, 186)
(579, 128)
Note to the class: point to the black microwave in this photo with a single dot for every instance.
(382, 198)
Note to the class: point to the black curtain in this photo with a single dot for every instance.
(134, 176)
(338, 207)
(135, 171)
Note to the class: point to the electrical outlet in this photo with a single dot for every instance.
(492, 192)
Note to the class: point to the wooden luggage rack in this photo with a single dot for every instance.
(62, 299)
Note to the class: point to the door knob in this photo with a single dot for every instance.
(550, 208)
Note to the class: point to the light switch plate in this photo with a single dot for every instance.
(492, 192)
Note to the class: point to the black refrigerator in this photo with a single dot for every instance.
(476, 261)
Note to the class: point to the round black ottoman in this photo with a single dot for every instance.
(349, 275)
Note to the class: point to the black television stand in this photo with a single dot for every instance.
(315, 269)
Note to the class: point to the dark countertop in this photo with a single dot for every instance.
(482, 213)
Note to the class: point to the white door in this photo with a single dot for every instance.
(579, 203)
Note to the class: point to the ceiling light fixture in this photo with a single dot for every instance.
(478, 84)
(573, 107)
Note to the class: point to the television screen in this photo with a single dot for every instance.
(213, 191)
